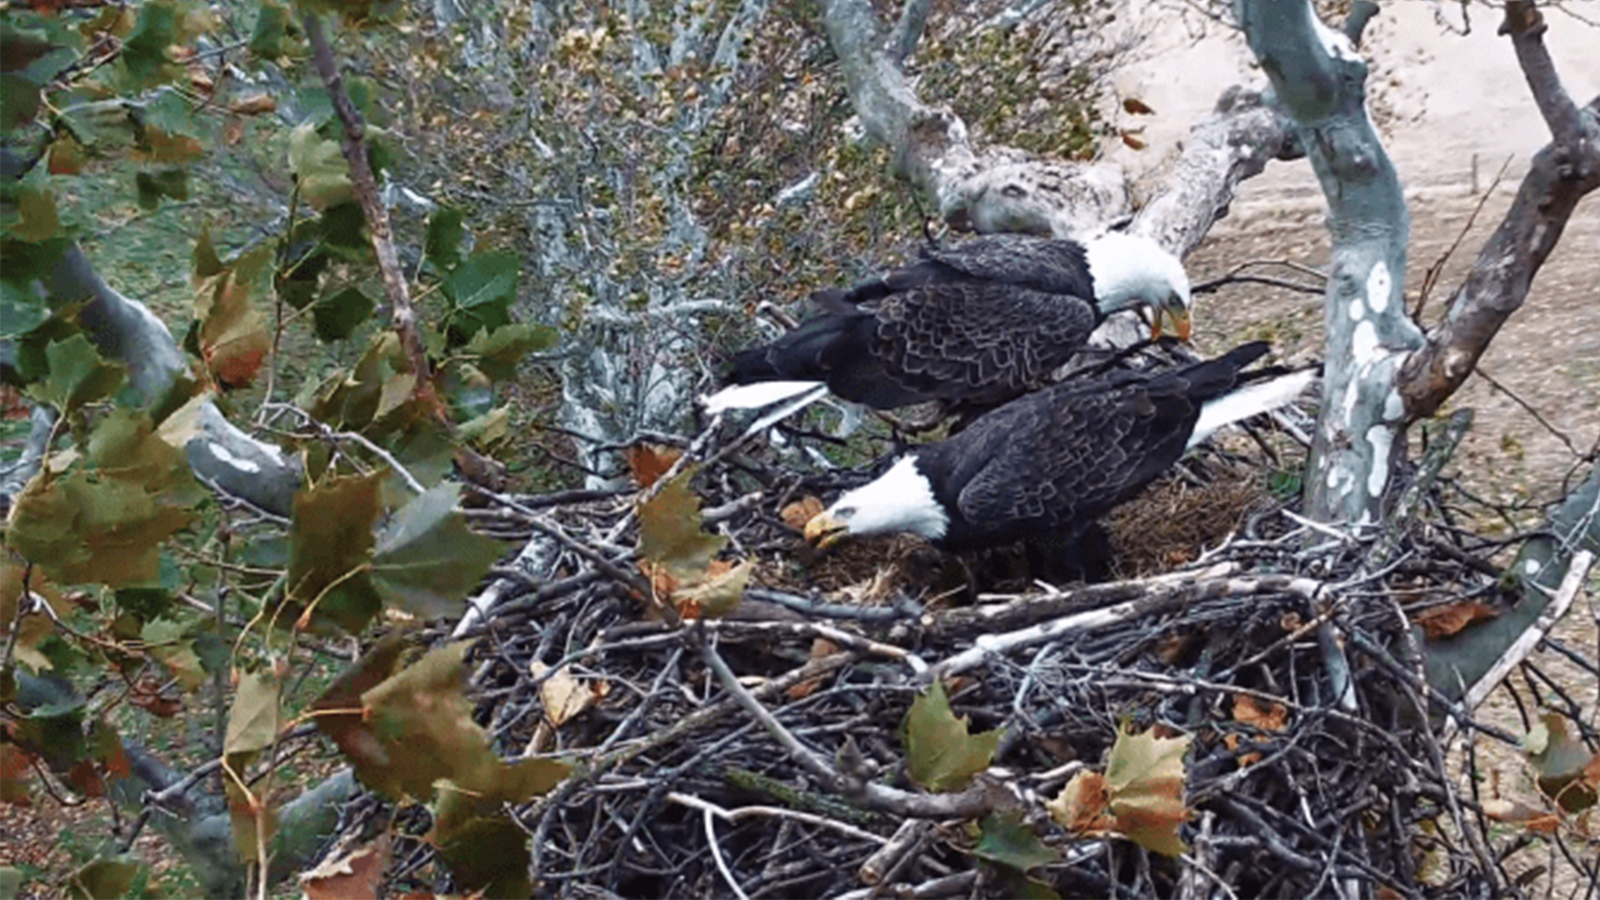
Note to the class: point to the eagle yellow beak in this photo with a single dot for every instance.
(1179, 318)
(824, 531)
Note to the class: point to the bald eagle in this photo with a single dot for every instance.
(979, 323)
(1054, 461)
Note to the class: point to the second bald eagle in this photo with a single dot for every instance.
(981, 322)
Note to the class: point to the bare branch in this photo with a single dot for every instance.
(909, 29)
(1562, 173)
(1000, 190)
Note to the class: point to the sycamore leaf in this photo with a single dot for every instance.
(426, 560)
(36, 209)
(77, 375)
(670, 533)
(717, 594)
(319, 167)
(1445, 621)
(103, 879)
(416, 727)
(254, 718)
(1145, 777)
(270, 34)
(1084, 805)
(442, 246)
(351, 875)
(336, 317)
(105, 522)
(648, 462)
(232, 334)
(1007, 840)
(562, 695)
(486, 851)
(942, 754)
(1560, 765)
(169, 643)
(330, 548)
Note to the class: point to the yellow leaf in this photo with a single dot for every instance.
(1145, 777)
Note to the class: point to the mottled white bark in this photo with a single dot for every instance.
(1000, 189)
(1320, 79)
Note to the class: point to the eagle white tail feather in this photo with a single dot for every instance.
(1249, 401)
(760, 395)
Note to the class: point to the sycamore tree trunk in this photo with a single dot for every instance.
(1320, 79)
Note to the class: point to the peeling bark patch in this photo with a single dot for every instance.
(1531, 567)
(1378, 286)
(233, 462)
(1382, 440)
(1364, 343)
(1455, 364)
(1394, 406)
(1336, 43)
(1357, 309)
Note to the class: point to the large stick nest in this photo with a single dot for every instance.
(761, 754)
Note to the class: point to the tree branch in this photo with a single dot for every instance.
(909, 29)
(1001, 190)
(1562, 173)
(1243, 133)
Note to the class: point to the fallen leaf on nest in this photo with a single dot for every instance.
(798, 513)
(649, 462)
(1444, 621)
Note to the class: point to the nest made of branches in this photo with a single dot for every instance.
(762, 755)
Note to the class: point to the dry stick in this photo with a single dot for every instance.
(775, 812)
(1571, 583)
(1431, 277)
(970, 803)
(366, 191)
(1538, 417)
(1157, 599)
(887, 860)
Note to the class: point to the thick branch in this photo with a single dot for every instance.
(1234, 143)
(999, 191)
(1320, 79)
(1562, 173)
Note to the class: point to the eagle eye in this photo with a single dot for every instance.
(845, 512)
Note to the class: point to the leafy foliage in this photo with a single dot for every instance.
(1140, 795)
(941, 752)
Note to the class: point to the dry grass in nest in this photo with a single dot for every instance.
(1173, 520)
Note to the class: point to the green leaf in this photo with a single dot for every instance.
(1145, 779)
(670, 533)
(942, 754)
(338, 316)
(1007, 840)
(78, 375)
(344, 226)
(442, 246)
(155, 185)
(36, 215)
(501, 349)
(232, 334)
(144, 53)
(169, 643)
(254, 719)
(487, 854)
(103, 879)
(268, 38)
(482, 290)
(206, 261)
(427, 561)
(320, 168)
(330, 550)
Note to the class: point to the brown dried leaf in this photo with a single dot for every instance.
(254, 105)
(649, 462)
(1137, 107)
(1133, 140)
(1248, 710)
(820, 647)
(798, 513)
(563, 696)
(1444, 621)
(354, 875)
(1083, 806)
(1146, 774)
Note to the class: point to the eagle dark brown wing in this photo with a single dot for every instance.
(1042, 264)
(976, 341)
(1057, 459)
